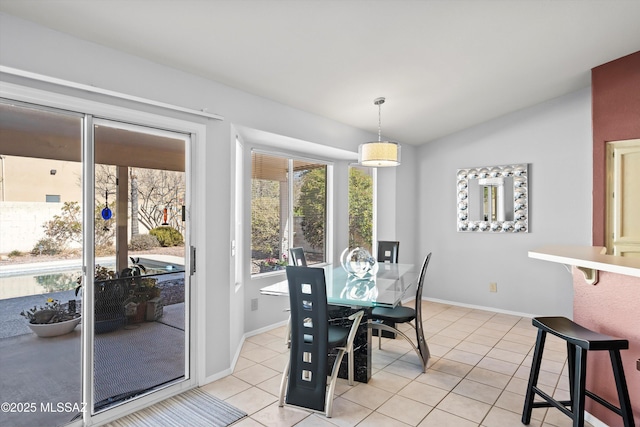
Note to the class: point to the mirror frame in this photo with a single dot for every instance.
(520, 174)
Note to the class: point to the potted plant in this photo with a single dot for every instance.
(273, 264)
(52, 319)
(123, 296)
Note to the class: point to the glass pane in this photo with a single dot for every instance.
(360, 207)
(269, 213)
(140, 285)
(40, 261)
(310, 209)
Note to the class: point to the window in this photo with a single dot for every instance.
(360, 207)
(52, 198)
(288, 209)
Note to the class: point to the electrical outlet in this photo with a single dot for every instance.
(254, 304)
(493, 287)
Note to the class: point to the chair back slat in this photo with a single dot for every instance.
(309, 337)
(298, 257)
(422, 345)
(388, 252)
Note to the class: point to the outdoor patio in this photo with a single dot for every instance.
(47, 371)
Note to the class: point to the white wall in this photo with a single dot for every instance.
(555, 139)
(26, 46)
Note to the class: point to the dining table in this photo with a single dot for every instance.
(385, 286)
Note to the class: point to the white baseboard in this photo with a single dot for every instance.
(227, 372)
(593, 420)
(479, 307)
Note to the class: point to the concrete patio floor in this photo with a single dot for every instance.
(46, 371)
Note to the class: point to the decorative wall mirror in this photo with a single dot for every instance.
(494, 199)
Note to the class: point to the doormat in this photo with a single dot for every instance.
(193, 408)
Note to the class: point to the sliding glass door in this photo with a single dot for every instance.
(140, 287)
(93, 231)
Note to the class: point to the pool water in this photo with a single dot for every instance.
(37, 283)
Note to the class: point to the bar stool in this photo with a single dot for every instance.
(579, 340)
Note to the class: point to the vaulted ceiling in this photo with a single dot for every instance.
(442, 65)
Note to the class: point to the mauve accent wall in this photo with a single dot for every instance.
(615, 94)
(612, 306)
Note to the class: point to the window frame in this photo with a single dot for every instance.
(291, 158)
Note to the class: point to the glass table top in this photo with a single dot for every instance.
(385, 289)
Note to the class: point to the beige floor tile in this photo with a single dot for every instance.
(243, 363)
(451, 367)
(226, 387)
(497, 326)
(271, 385)
(515, 403)
(377, 419)
(500, 366)
(278, 346)
(277, 363)
(488, 332)
(347, 413)
(498, 417)
(463, 357)
(260, 354)
(507, 356)
(439, 379)
(256, 374)
(248, 422)
(465, 325)
(472, 347)
(251, 400)
(249, 346)
(438, 350)
(444, 340)
(520, 339)
(315, 420)
(485, 376)
(388, 381)
(479, 338)
(517, 385)
(439, 418)
(455, 333)
(465, 407)
(274, 416)
(482, 392)
(367, 395)
(515, 347)
(407, 370)
(405, 410)
(263, 339)
(423, 393)
(479, 358)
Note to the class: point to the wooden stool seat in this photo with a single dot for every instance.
(579, 340)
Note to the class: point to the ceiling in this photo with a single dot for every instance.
(442, 65)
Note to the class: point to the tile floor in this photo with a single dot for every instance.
(477, 376)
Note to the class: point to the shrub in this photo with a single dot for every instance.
(15, 253)
(46, 246)
(141, 242)
(167, 236)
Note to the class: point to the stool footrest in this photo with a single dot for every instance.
(551, 402)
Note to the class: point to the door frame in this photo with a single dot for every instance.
(194, 168)
(615, 242)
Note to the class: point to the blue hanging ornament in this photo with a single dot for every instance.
(106, 212)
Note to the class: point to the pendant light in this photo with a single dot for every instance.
(379, 153)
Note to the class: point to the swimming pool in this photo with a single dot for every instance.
(44, 278)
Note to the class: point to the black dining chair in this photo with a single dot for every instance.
(401, 314)
(297, 257)
(304, 380)
(388, 251)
